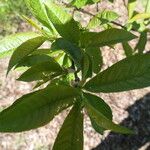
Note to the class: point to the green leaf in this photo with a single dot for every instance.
(66, 62)
(70, 136)
(32, 60)
(81, 3)
(8, 44)
(100, 118)
(25, 49)
(128, 74)
(63, 22)
(147, 9)
(127, 49)
(140, 16)
(71, 49)
(37, 109)
(104, 38)
(90, 69)
(142, 42)
(100, 106)
(85, 66)
(96, 57)
(96, 127)
(32, 23)
(6, 53)
(131, 7)
(102, 18)
(41, 70)
(38, 10)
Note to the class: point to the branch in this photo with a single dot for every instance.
(90, 14)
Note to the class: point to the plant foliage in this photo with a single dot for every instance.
(71, 68)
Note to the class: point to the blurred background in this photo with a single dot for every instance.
(131, 109)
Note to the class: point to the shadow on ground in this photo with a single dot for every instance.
(139, 120)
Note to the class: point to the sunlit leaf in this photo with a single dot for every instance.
(25, 49)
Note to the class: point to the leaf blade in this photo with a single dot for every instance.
(102, 120)
(70, 135)
(13, 41)
(23, 116)
(104, 38)
(63, 22)
(128, 74)
(41, 70)
(25, 49)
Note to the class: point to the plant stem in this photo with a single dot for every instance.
(75, 73)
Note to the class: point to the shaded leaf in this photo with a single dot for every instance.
(41, 70)
(101, 106)
(70, 136)
(101, 119)
(96, 57)
(32, 60)
(104, 38)
(142, 42)
(71, 49)
(96, 127)
(128, 74)
(85, 66)
(127, 49)
(36, 109)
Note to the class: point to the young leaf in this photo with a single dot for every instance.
(8, 44)
(139, 17)
(25, 49)
(32, 23)
(104, 38)
(147, 7)
(96, 58)
(63, 22)
(41, 70)
(37, 109)
(131, 7)
(38, 10)
(101, 18)
(71, 49)
(70, 136)
(102, 120)
(142, 42)
(81, 3)
(127, 49)
(128, 74)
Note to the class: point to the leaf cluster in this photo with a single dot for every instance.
(71, 69)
